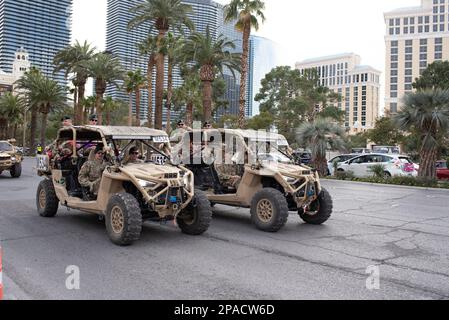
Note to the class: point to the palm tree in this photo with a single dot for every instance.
(189, 95)
(319, 136)
(149, 48)
(49, 96)
(210, 57)
(105, 70)
(163, 14)
(172, 48)
(12, 108)
(72, 59)
(25, 85)
(426, 112)
(111, 105)
(88, 105)
(247, 13)
(134, 82)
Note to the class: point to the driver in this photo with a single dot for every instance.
(133, 157)
(91, 173)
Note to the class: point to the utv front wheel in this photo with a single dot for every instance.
(16, 170)
(269, 210)
(196, 218)
(46, 200)
(320, 210)
(123, 219)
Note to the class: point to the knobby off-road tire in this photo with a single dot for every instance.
(123, 219)
(46, 200)
(16, 170)
(269, 210)
(197, 217)
(320, 210)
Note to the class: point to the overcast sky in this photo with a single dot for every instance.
(303, 29)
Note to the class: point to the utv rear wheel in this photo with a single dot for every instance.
(320, 210)
(123, 219)
(269, 210)
(16, 170)
(46, 200)
(196, 218)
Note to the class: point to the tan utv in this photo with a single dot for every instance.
(269, 181)
(129, 193)
(10, 159)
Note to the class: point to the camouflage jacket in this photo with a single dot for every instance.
(91, 172)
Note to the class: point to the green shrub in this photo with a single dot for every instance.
(378, 170)
(344, 175)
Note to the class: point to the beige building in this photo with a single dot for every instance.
(415, 38)
(21, 65)
(358, 85)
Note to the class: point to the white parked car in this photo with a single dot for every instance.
(395, 165)
(339, 159)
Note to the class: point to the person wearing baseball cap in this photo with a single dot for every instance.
(93, 120)
(66, 121)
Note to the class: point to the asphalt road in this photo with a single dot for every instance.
(402, 231)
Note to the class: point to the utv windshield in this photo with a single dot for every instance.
(4, 146)
(150, 150)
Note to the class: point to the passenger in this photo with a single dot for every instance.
(228, 173)
(66, 121)
(93, 120)
(92, 171)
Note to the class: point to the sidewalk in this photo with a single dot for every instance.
(384, 185)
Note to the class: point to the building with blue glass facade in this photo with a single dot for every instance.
(123, 43)
(41, 27)
(262, 59)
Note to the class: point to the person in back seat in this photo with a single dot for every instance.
(92, 171)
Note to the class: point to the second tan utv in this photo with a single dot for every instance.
(272, 186)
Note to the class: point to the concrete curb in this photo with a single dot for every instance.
(386, 185)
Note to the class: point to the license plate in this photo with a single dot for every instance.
(160, 139)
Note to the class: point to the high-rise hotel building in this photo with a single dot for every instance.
(415, 38)
(40, 27)
(358, 85)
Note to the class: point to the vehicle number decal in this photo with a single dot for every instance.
(160, 139)
(42, 163)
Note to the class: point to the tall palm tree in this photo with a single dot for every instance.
(111, 105)
(210, 57)
(88, 106)
(189, 95)
(24, 86)
(105, 70)
(149, 48)
(247, 13)
(163, 14)
(49, 96)
(134, 82)
(172, 48)
(319, 136)
(426, 112)
(72, 60)
(11, 108)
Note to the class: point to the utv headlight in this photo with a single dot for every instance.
(186, 180)
(289, 179)
(146, 184)
(13, 159)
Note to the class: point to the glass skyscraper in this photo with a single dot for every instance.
(262, 59)
(41, 27)
(123, 43)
